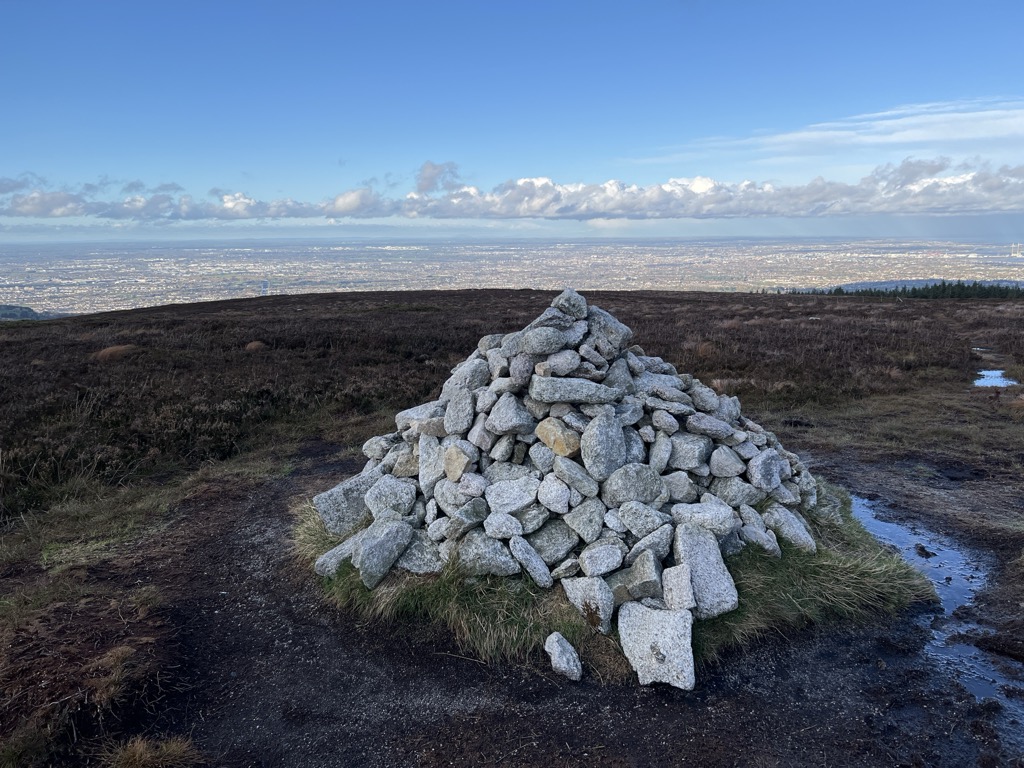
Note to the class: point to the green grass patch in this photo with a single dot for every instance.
(491, 617)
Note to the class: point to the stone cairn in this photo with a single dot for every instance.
(565, 454)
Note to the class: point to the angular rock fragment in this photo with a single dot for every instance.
(602, 446)
(713, 587)
(480, 555)
(531, 561)
(381, 545)
(564, 659)
(593, 599)
(657, 644)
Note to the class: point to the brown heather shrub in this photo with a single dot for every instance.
(116, 352)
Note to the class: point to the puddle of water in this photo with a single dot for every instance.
(994, 379)
(957, 576)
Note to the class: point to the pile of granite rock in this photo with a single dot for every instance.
(564, 454)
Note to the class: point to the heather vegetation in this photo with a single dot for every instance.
(110, 421)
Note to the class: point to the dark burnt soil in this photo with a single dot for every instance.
(267, 674)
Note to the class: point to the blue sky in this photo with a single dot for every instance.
(552, 118)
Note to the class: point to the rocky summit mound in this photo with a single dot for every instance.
(564, 454)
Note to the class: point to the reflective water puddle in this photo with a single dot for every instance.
(994, 379)
(957, 576)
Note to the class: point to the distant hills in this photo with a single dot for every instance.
(13, 312)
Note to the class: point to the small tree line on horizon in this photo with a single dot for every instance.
(940, 290)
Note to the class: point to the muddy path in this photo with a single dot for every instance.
(267, 674)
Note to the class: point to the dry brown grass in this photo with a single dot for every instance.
(141, 752)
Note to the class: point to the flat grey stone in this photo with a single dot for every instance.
(564, 659)
(501, 471)
(735, 492)
(377, 447)
(713, 587)
(575, 476)
(502, 450)
(704, 397)
(485, 399)
(479, 435)
(554, 494)
(617, 584)
(659, 541)
(760, 537)
(587, 519)
(660, 453)
(501, 525)
(641, 519)
(380, 546)
(677, 591)
(680, 487)
(725, 462)
(746, 450)
(552, 389)
(690, 451)
(553, 540)
(711, 513)
(467, 517)
(498, 363)
(543, 458)
(645, 576)
(571, 303)
(532, 518)
(431, 464)
(531, 561)
(658, 644)
(520, 369)
(552, 317)
(665, 421)
(593, 599)
(509, 416)
(460, 413)
(619, 377)
(472, 484)
(448, 497)
(568, 567)
(421, 557)
(787, 526)
(705, 424)
(544, 340)
(599, 558)
(613, 522)
(602, 446)
(602, 323)
(564, 362)
(390, 497)
(632, 482)
(469, 375)
(343, 508)
(512, 496)
(636, 449)
(404, 419)
(480, 555)
(329, 562)
(766, 469)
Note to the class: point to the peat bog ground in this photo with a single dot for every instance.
(151, 608)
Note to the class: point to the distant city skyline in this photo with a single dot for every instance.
(464, 120)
